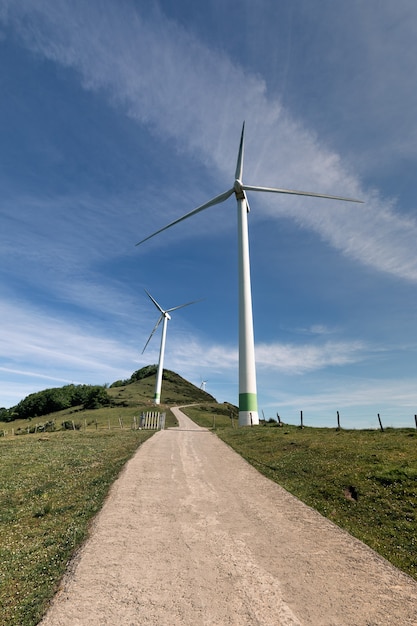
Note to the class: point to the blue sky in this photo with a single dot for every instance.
(118, 117)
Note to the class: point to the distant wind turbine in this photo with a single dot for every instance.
(248, 403)
(164, 317)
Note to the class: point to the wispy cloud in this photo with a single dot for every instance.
(286, 358)
(42, 342)
(298, 359)
(145, 64)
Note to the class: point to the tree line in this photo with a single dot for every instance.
(57, 399)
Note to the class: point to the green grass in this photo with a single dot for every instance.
(50, 487)
(212, 414)
(363, 480)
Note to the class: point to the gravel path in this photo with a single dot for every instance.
(191, 534)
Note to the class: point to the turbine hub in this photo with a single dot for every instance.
(167, 315)
(240, 195)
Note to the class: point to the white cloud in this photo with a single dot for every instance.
(147, 64)
(44, 343)
(299, 359)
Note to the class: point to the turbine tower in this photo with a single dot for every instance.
(164, 317)
(248, 403)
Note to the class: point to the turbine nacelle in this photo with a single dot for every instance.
(238, 189)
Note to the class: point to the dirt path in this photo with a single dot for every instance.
(192, 535)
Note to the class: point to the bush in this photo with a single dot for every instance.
(69, 425)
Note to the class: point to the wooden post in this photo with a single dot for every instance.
(415, 419)
(380, 423)
(301, 425)
(279, 420)
(338, 420)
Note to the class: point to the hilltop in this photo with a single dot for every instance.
(140, 388)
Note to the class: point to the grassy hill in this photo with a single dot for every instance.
(140, 387)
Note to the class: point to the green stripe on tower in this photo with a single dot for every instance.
(157, 398)
(248, 402)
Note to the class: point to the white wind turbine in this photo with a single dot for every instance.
(164, 317)
(248, 403)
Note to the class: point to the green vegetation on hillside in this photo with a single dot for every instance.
(56, 399)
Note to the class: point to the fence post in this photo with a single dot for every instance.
(301, 424)
(338, 420)
(380, 423)
(415, 419)
(279, 420)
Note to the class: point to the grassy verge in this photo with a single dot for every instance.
(363, 480)
(51, 485)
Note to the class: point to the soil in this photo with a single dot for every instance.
(192, 535)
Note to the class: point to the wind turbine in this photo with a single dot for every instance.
(164, 317)
(248, 403)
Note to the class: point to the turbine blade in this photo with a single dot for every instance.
(153, 332)
(158, 306)
(239, 164)
(217, 200)
(247, 202)
(300, 193)
(181, 306)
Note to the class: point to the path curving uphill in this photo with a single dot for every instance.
(192, 535)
